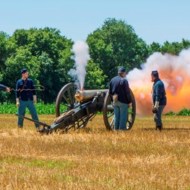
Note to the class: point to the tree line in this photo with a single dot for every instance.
(48, 57)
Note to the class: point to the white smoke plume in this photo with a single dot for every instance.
(174, 71)
(81, 57)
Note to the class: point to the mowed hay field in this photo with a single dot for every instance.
(93, 158)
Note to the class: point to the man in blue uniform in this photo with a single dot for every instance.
(25, 98)
(159, 99)
(120, 93)
(5, 88)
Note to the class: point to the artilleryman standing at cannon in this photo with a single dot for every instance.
(159, 99)
(120, 92)
(25, 98)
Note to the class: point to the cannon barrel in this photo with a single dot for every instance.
(86, 95)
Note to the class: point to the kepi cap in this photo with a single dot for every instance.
(155, 74)
(23, 71)
(121, 70)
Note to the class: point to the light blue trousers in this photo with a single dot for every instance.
(120, 115)
(158, 116)
(22, 109)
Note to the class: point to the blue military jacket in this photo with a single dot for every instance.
(25, 89)
(120, 87)
(158, 92)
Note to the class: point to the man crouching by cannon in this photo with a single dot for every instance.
(5, 88)
(120, 93)
(159, 99)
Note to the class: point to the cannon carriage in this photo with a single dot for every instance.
(74, 108)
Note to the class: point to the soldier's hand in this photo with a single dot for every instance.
(8, 89)
(154, 110)
(156, 105)
(35, 99)
(17, 102)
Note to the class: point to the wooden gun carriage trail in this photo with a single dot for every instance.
(74, 108)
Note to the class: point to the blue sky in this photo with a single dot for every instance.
(152, 20)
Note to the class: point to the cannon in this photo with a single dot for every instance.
(74, 108)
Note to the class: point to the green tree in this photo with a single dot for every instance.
(3, 52)
(116, 44)
(45, 53)
(175, 47)
(185, 44)
(169, 47)
(154, 47)
(95, 78)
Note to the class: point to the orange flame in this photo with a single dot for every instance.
(174, 71)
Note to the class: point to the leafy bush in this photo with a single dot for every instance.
(42, 108)
(171, 113)
(183, 112)
(7, 108)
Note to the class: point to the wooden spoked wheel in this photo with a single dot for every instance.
(65, 100)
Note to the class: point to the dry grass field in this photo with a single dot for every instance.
(94, 158)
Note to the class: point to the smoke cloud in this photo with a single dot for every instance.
(174, 71)
(81, 58)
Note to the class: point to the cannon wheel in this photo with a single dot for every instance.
(65, 99)
(108, 113)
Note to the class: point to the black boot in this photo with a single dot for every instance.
(159, 127)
